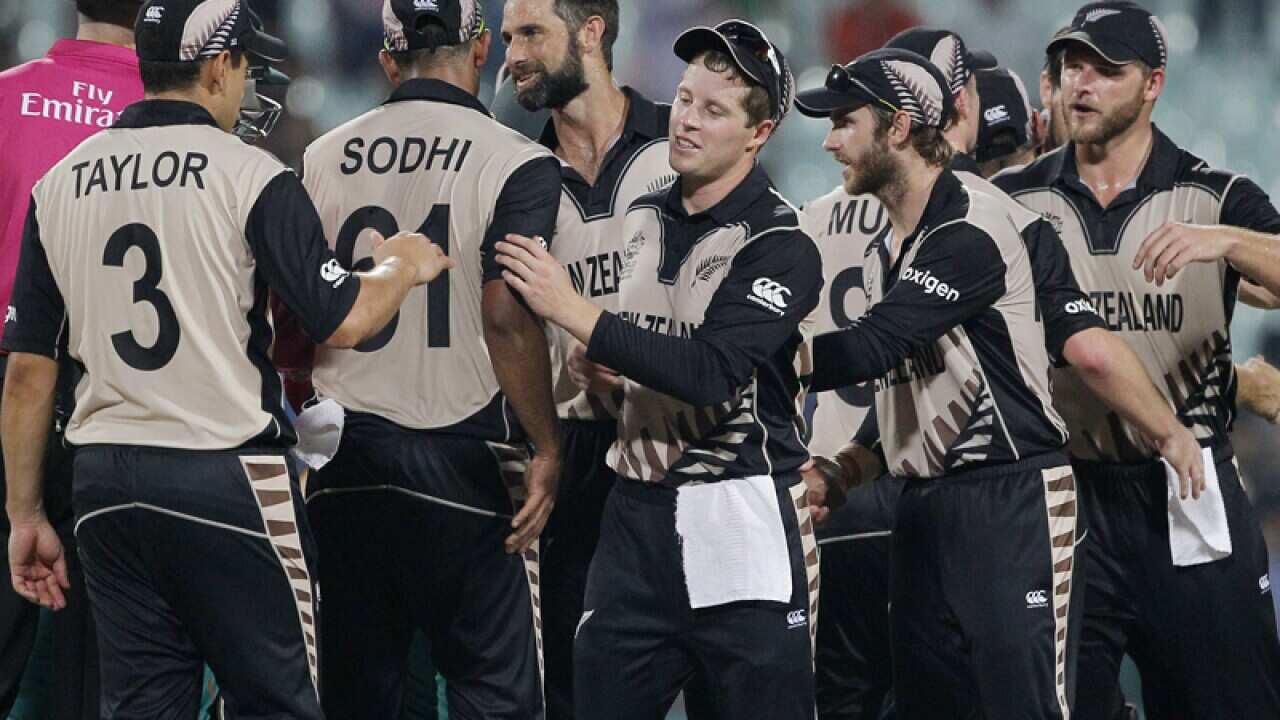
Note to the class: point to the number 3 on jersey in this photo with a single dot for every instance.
(436, 227)
(146, 289)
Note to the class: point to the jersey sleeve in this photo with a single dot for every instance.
(287, 239)
(1064, 308)
(771, 286)
(1247, 206)
(527, 205)
(36, 314)
(955, 277)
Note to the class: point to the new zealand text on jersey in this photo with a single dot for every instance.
(1125, 311)
(404, 155)
(658, 323)
(923, 363)
(596, 275)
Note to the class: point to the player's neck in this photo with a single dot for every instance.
(906, 198)
(589, 124)
(699, 194)
(94, 31)
(458, 76)
(1107, 168)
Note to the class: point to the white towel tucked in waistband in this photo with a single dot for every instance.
(319, 430)
(733, 542)
(1198, 530)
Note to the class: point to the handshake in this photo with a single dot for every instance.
(829, 480)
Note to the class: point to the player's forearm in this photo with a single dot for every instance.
(26, 414)
(578, 316)
(857, 465)
(522, 364)
(1256, 255)
(382, 291)
(1258, 297)
(1114, 373)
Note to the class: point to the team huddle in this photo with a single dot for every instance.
(569, 395)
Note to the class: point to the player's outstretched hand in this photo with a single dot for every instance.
(823, 490)
(539, 278)
(592, 377)
(1176, 245)
(1259, 390)
(1183, 452)
(540, 480)
(37, 565)
(414, 248)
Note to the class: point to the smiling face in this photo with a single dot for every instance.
(858, 143)
(543, 55)
(711, 132)
(1101, 100)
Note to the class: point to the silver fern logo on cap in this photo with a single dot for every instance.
(948, 56)
(918, 92)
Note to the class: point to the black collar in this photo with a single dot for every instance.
(644, 120)
(436, 91)
(158, 113)
(964, 162)
(737, 202)
(1160, 172)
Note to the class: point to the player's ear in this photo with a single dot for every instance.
(480, 51)
(389, 67)
(213, 73)
(761, 135)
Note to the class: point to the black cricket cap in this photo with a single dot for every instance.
(1121, 32)
(947, 51)
(1006, 114)
(752, 52)
(429, 24)
(888, 78)
(191, 30)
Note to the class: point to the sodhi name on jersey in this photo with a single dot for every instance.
(404, 155)
(1124, 311)
(135, 171)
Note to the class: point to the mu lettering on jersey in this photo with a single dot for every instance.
(1180, 330)
(842, 226)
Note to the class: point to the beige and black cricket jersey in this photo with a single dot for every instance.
(432, 160)
(1180, 330)
(706, 334)
(589, 237)
(147, 257)
(952, 340)
(843, 227)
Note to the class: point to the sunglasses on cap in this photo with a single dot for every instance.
(841, 80)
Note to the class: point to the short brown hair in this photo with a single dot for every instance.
(425, 60)
(575, 13)
(114, 12)
(756, 101)
(928, 142)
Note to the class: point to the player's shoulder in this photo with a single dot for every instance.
(1020, 214)
(828, 200)
(21, 76)
(1193, 171)
(1037, 174)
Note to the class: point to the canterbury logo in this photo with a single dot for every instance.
(333, 273)
(155, 14)
(425, 5)
(1075, 307)
(11, 315)
(931, 284)
(996, 114)
(1038, 598)
(1264, 582)
(770, 294)
(795, 619)
(1096, 15)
